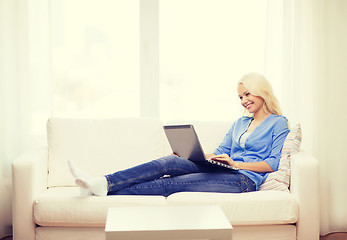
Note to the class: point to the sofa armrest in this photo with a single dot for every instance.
(305, 188)
(29, 176)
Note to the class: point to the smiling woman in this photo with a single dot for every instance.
(259, 112)
(254, 160)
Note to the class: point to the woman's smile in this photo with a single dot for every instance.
(248, 105)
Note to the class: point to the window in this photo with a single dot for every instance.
(95, 58)
(204, 47)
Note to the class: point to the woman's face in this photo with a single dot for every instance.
(252, 103)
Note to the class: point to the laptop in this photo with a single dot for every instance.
(185, 143)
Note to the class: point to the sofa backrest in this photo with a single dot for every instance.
(101, 146)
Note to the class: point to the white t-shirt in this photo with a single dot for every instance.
(244, 138)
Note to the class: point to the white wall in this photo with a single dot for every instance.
(331, 145)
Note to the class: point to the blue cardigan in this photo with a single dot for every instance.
(263, 144)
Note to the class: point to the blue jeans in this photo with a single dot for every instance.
(172, 174)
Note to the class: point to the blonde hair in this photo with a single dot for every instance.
(259, 86)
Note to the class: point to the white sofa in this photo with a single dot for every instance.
(48, 206)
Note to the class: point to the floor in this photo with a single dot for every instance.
(6, 238)
(333, 236)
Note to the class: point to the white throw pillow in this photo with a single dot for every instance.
(280, 180)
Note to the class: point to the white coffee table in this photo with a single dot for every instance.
(167, 222)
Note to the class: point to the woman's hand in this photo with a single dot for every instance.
(209, 155)
(224, 158)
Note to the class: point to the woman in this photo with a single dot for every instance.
(253, 145)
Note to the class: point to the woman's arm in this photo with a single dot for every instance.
(251, 166)
(254, 166)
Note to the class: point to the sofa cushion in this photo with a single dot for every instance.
(280, 179)
(101, 146)
(253, 208)
(293, 141)
(64, 206)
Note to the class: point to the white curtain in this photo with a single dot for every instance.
(306, 53)
(24, 88)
